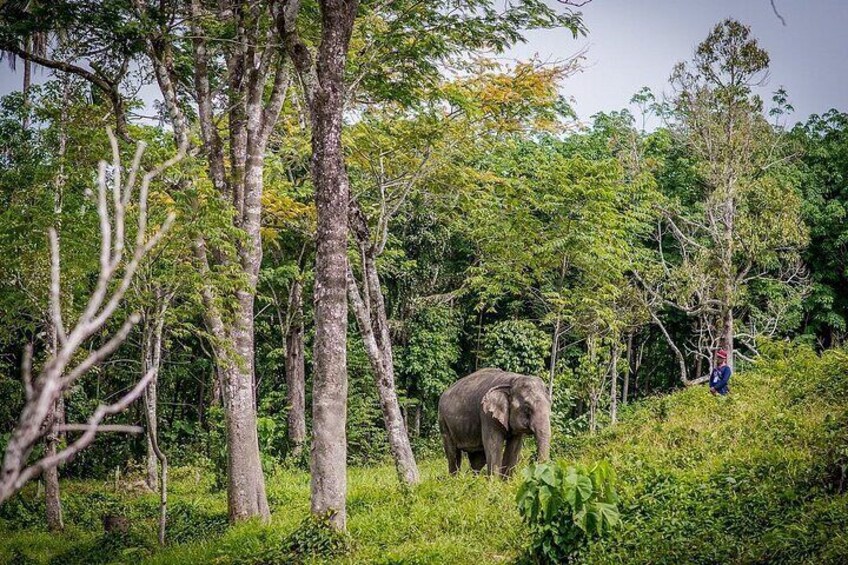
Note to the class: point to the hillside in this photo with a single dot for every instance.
(754, 478)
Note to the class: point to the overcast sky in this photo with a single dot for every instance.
(635, 43)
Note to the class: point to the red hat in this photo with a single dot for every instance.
(721, 354)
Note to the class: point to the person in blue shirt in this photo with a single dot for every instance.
(720, 375)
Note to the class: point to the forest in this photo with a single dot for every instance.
(247, 246)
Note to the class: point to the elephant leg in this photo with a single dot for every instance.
(493, 443)
(452, 453)
(477, 460)
(511, 454)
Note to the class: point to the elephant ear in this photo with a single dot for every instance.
(496, 404)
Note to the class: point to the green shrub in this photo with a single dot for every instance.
(316, 538)
(565, 506)
(120, 547)
(189, 521)
(517, 346)
(25, 510)
(254, 544)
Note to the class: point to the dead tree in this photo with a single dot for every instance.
(60, 372)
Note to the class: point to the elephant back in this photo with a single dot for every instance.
(470, 390)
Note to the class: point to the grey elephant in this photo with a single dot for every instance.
(488, 413)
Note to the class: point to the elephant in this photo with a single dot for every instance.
(488, 413)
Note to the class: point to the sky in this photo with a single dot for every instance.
(635, 43)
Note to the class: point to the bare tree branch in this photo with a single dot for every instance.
(54, 378)
(120, 428)
(776, 13)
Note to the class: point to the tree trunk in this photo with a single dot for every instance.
(246, 483)
(380, 356)
(216, 388)
(625, 389)
(150, 399)
(727, 335)
(554, 352)
(369, 307)
(251, 111)
(52, 499)
(593, 411)
(729, 271)
(296, 373)
(614, 383)
(152, 361)
(27, 84)
(329, 398)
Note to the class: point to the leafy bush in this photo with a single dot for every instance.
(189, 521)
(316, 538)
(427, 360)
(217, 445)
(122, 547)
(516, 345)
(565, 506)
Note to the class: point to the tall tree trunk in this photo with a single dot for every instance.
(296, 372)
(246, 483)
(252, 62)
(554, 352)
(373, 327)
(727, 335)
(593, 412)
(152, 361)
(150, 396)
(329, 398)
(625, 389)
(614, 383)
(27, 84)
(729, 271)
(53, 501)
(56, 417)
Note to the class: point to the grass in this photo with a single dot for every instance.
(753, 478)
(465, 519)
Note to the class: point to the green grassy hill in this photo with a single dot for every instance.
(754, 478)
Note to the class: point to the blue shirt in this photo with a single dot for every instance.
(719, 379)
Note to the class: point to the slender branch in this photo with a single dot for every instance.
(55, 300)
(107, 86)
(776, 13)
(117, 428)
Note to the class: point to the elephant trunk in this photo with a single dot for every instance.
(543, 442)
